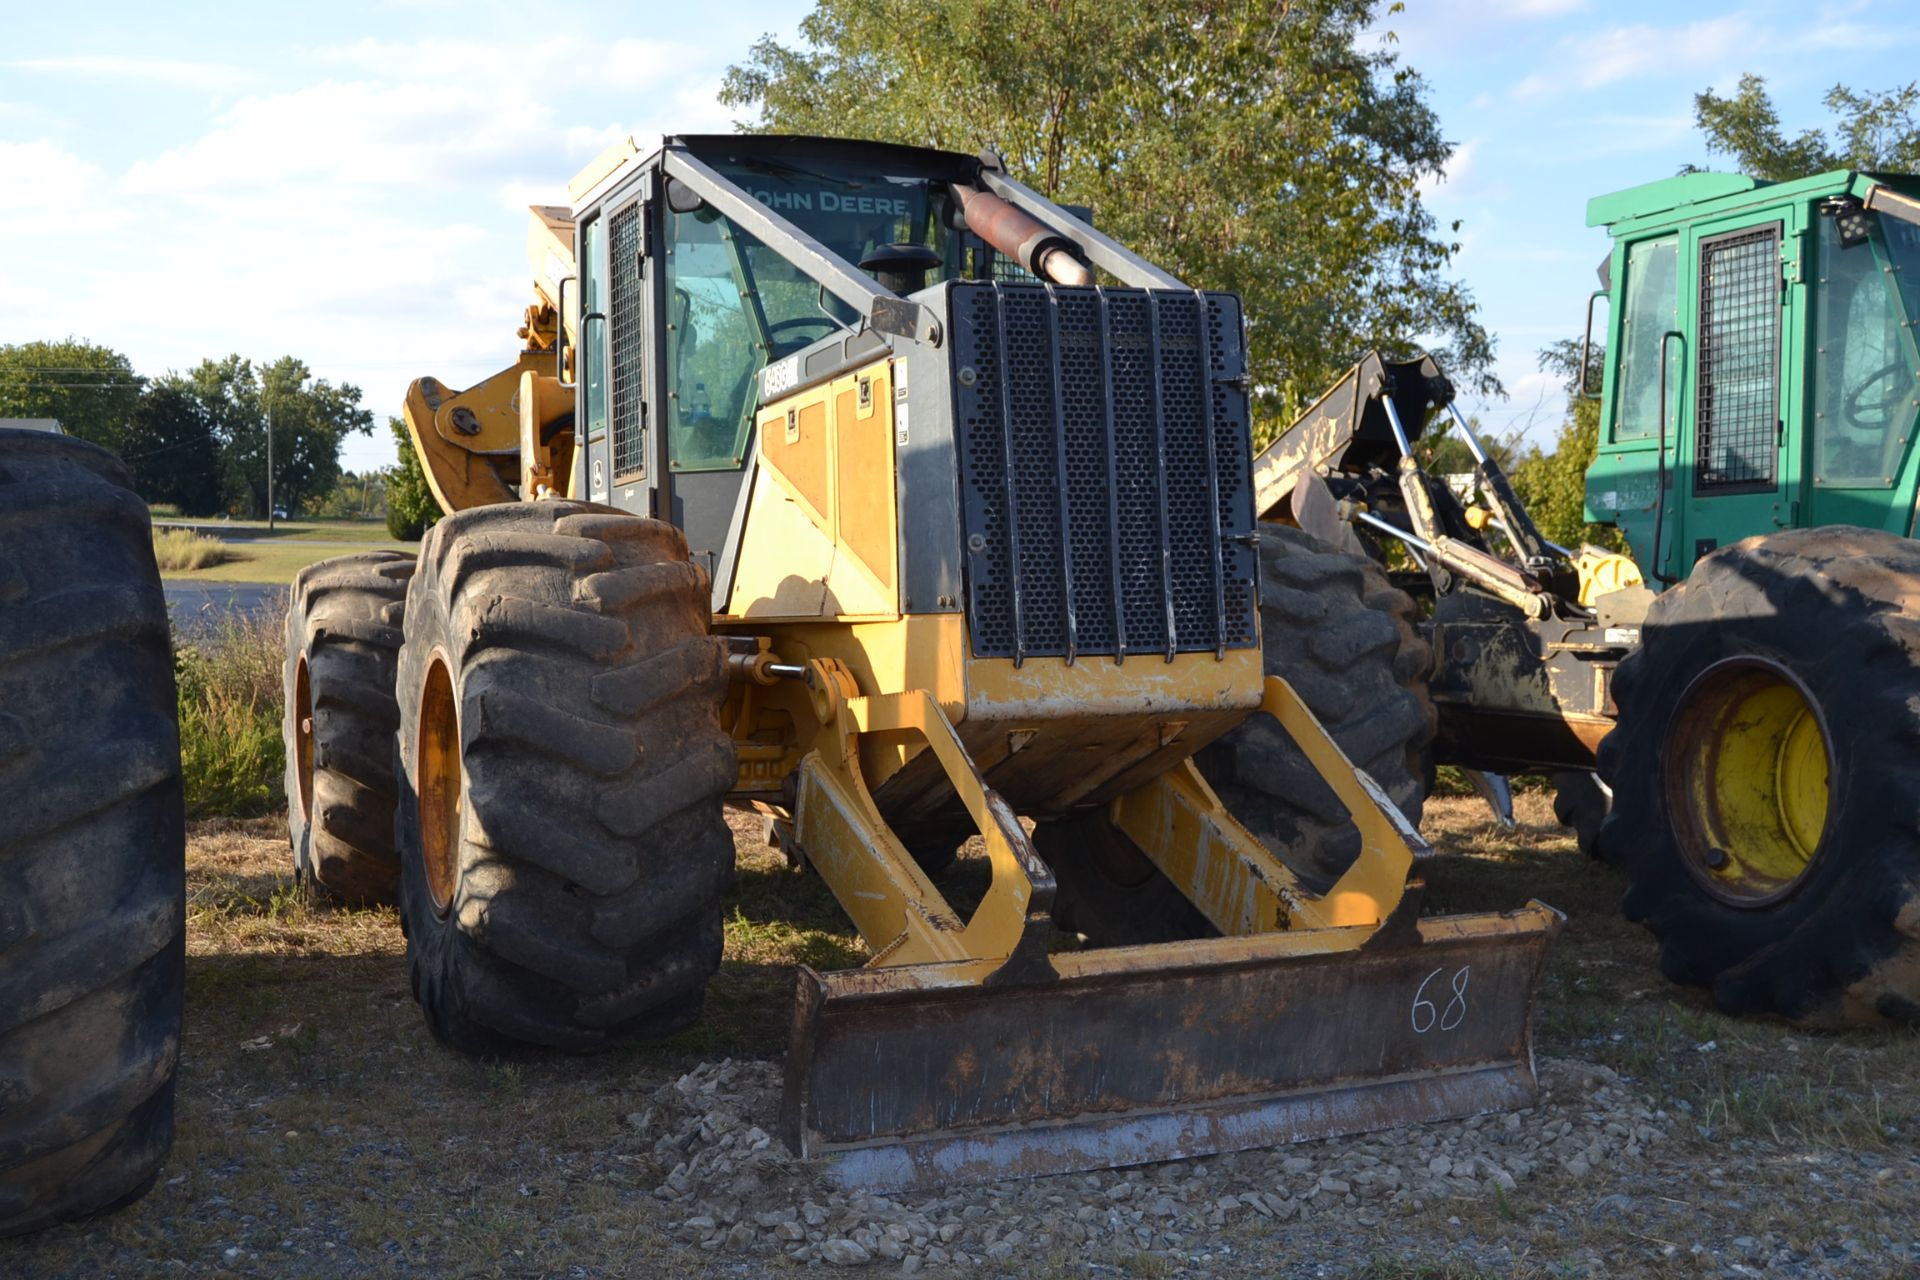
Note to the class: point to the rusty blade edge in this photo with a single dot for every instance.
(1118, 1141)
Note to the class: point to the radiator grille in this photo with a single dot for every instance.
(1104, 454)
(1738, 413)
(625, 307)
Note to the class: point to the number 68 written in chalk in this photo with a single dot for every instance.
(1426, 1014)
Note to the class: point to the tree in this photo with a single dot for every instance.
(1244, 145)
(358, 496)
(170, 448)
(91, 389)
(309, 418)
(1870, 131)
(411, 508)
(1554, 485)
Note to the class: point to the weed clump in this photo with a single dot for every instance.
(180, 549)
(228, 675)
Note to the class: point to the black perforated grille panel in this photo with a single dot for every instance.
(1738, 414)
(1105, 469)
(624, 309)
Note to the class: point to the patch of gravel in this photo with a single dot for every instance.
(736, 1190)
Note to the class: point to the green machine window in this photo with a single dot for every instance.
(733, 304)
(1865, 367)
(1650, 307)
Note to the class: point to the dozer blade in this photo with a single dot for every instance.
(964, 1051)
(902, 1077)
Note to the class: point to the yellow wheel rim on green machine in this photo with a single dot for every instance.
(1747, 780)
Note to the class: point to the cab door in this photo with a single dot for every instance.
(1735, 474)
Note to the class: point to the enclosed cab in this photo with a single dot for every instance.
(1762, 371)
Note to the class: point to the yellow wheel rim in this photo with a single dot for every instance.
(438, 770)
(1747, 780)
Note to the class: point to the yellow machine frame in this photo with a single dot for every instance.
(860, 719)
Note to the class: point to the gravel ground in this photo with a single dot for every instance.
(323, 1132)
(735, 1190)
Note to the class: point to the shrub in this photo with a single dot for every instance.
(411, 508)
(230, 693)
(178, 549)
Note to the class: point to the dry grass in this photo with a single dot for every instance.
(182, 550)
(322, 1131)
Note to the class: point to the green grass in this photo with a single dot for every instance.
(369, 531)
(279, 553)
(230, 694)
(257, 564)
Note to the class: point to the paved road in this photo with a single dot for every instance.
(193, 605)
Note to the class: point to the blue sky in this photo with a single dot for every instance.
(347, 182)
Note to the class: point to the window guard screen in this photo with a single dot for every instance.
(1737, 411)
(624, 332)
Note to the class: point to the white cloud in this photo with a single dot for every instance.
(361, 208)
(1858, 36)
(1621, 53)
(168, 71)
(43, 172)
(559, 61)
(1456, 169)
(697, 109)
(1628, 134)
(358, 134)
(47, 192)
(439, 112)
(28, 113)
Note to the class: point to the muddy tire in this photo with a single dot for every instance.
(344, 622)
(1344, 638)
(1766, 777)
(1580, 804)
(562, 844)
(92, 839)
(1335, 629)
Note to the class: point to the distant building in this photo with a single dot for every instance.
(32, 424)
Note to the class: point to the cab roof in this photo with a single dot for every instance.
(1701, 193)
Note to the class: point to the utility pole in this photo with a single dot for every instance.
(269, 468)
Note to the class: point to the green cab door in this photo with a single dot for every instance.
(1866, 376)
(1735, 473)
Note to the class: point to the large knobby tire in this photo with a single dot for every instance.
(343, 643)
(1345, 639)
(92, 838)
(1782, 892)
(562, 843)
(1580, 803)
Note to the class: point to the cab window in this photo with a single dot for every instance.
(733, 304)
(1865, 363)
(1649, 309)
